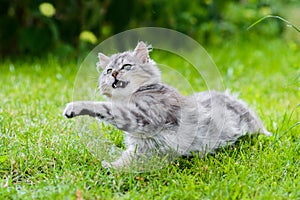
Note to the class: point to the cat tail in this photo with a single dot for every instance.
(260, 128)
(266, 132)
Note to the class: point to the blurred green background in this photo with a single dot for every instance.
(71, 27)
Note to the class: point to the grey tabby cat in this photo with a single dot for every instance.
(156, 118)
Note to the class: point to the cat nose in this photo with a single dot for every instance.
(114, 74)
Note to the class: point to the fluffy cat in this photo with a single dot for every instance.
(156, 118)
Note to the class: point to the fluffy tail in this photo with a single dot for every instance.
(265, 132)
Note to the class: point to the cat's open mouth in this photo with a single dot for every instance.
(119, 84)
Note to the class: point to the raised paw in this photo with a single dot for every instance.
(69, 111)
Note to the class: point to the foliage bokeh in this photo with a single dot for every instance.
(70, 27)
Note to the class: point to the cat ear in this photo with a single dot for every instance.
(141, 52)
(103, 60)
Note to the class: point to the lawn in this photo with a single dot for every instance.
(42, 155)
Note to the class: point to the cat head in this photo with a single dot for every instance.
(124, 73)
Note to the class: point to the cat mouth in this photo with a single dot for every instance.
(119, 84)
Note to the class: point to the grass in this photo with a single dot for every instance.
(42, 156)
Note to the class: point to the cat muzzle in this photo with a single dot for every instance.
(119, 84)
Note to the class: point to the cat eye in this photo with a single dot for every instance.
(109, 71)
(126, 67)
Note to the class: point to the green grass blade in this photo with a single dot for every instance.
(276, 17)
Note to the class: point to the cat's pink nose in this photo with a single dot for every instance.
(114, 74)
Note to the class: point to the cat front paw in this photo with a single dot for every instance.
(113, 165)
(106, 164)
(69, 111)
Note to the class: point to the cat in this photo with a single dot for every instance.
(156, 118)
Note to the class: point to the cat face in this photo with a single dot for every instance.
(123, 73)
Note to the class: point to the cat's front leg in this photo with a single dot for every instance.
(124, 161)
(90, 108)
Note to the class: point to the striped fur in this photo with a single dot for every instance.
(156, 118)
